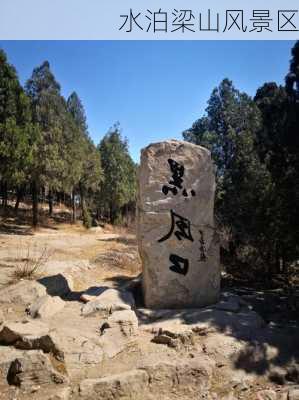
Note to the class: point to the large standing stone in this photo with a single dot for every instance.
(176, 234)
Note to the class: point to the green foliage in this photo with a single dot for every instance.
(255, 145)
(50, 113)
(18, 136)
(277, 141)
(119, 186)
(87, 172)
(243, 183)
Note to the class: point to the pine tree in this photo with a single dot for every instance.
(87, 171)
(18, 136)
(119, 187)
(228, 129)
(50, 113)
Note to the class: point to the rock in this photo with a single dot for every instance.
(30, 336)
(33, 369)
(282, 395)
(57, 285)
(170, 380)
(177, 337)
(293, 373)
(24, 293)
(46, 306)
(176, 235)
(293, 394)
(7, 356)
(126, 321)
(1, 317)
(118, 331)
(266, 395)
(63, 393)
(278, 375)
(160, 381)
(128, 385)
(230, 396)
(108, 301)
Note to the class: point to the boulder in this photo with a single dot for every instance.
(108, 301)
(46, 306)
(31, 369)
(176, 234)
(24, 292)
(30, 336)
(156, 381)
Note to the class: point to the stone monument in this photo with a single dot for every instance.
(176, 233)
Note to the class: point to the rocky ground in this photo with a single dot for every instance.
(79, 330)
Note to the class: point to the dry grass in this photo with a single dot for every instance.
(30, 262)
(124, 261)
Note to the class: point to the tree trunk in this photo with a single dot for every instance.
(34, 204)
(19, 194)
(50, 202)
(4, 194)
(74, 207)
(82, 200)
(114, 213)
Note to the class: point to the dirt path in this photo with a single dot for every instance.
(93, 256)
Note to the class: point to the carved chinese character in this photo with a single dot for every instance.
(180, 226)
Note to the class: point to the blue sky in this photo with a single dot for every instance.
(155, 89)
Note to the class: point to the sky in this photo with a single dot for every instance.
(154, 89)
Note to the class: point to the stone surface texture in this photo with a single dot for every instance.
(177, 187)
(46, 307)
(24, 292)
(108, 301)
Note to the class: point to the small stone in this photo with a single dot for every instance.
(176, 336)
(35, 388)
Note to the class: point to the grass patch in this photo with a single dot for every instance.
(30, 262)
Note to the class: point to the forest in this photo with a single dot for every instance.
(48, 156)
